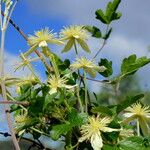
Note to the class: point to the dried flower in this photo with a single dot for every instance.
(141, 113)
(92, 131)
(72, 34)
(88, 66)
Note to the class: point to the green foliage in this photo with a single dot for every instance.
(94, 31)
(110, 14)
(131, 64)
(134, 143)
(74, 120)
(103, 110)
(108, 64)
(128, 102)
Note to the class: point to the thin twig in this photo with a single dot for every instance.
(103, 44)
(6, 134)
(94, 80)
(14, 102)
(2, 75)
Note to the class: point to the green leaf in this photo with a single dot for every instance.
(108, 64)
(132, 143)
(64, 65)
(101, 16)
(116, 16)
(131, 64)
(59, 130)
(94, 31)
(111, 13)
(48, 99)
(36, 107)
(68, 46)
(76, 119)
(103, 110)
(84, 45)
(115, 4)
(110, 147)
(128, 102)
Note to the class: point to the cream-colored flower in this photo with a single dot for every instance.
(141, 113)
(92, 131)
(41, 39)
(75, 33)
(89, 66)
(56, 82)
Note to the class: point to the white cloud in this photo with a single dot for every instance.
(79, 11)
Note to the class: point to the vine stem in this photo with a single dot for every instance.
(79, 100)
(75, 47)
(86, 98)
(14, 102)
(138, 128)
(3, 87)
(2, 75)
(38, 131)
(40, 145)
(103, 44)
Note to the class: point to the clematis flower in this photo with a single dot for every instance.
(92, 131)
(141, 113)
(74, 34)
(56, 82)
(88, 66)
(41, 39)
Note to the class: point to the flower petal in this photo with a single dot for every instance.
(96, 141)
(131, 118)
(107, 129)
(84, 45)
(127, 115)
(68, 46)
(144, 126)
(91, 72)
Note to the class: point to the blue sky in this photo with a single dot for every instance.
(29, 23)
